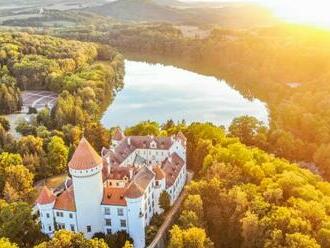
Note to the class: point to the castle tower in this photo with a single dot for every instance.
(45, 204)
(86, 170)
(117, 137)
(135, 214)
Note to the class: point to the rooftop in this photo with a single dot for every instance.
(65, 201)
(45, 197)
(114, 196)
(85, 157)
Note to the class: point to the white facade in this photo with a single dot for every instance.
(121, 194)
(47, 218)
(88, 193)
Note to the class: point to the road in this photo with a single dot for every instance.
(170, 215)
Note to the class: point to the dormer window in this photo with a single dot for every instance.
(153, 144)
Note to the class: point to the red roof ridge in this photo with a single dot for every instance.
(65, 201)
(45, 196)
(134, 190)
(84, 157)
(114, 196)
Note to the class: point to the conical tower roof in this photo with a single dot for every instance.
(85, 157)
(45, 196)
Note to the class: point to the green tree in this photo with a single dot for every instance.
(249, 130)
(5, 243)
(299, 240)
(7, 160)
(194, 203)
(5, 123)
(144, 128)
(18, 183)
(57, 155)
(189, 219)
(164, 201)
(18, 225)
(67, 239)
(128, 245)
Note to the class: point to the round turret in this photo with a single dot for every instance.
(85, 161)
(86, 170)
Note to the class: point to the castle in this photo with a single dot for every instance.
(118, 190)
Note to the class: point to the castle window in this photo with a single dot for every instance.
(50, 228)
(47, 215)
(109, 231)
(60, 226)
(120, 212)
(70, 215)
(108, 222)
(89, 229)
(123, 223)
(57, 214)
(72, 228)
(107, 211)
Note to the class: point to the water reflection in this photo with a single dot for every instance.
(158, 92)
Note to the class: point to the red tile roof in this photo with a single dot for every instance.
(114, 196)
(118, 173)
(134, 191)
(85, 157)
(129, 144)
(65, 201)
(45, 196)
(160, 174)
(172, 167)
(143, 177)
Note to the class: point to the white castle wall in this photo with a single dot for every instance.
(136, 221)
(88, 194)
(115, 218)
(69, 219)
(47, 218)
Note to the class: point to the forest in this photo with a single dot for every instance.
(284, 65)
(86, 76)
(243, 196)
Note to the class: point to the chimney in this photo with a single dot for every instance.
(131, 169)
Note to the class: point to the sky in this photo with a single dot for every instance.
(313, 12)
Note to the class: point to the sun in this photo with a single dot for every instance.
(314, 12)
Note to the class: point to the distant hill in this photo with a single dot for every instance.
(180, 13)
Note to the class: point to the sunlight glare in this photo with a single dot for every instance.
(315, 12)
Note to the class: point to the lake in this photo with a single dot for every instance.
(157, 92)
